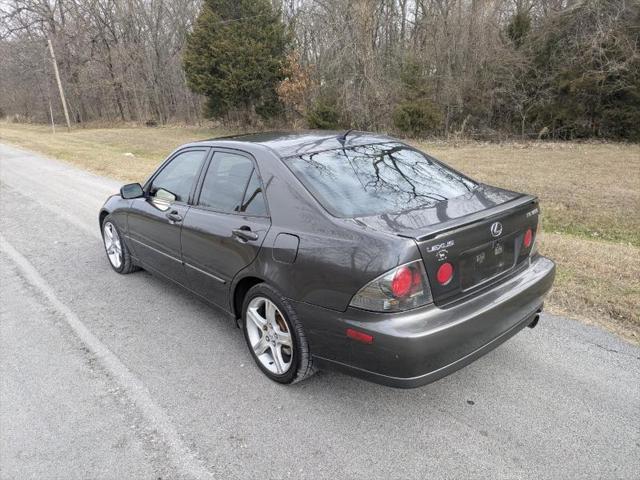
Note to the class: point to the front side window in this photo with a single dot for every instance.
(376, 179)
(225, 183)
(175, 180)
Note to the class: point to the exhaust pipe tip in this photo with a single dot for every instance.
(536, 319)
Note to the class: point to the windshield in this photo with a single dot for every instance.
(376, 179)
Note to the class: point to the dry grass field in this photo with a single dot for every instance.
(590, 197)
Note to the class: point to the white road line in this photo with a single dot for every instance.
(183, 458)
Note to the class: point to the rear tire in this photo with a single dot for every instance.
(117, 252)
(274, 336)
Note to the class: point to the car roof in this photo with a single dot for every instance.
(287, 144)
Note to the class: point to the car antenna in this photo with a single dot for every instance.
(343, 138)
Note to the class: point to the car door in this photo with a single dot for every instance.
(224, 229)
(155, 221)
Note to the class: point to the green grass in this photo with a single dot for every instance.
(610, 233)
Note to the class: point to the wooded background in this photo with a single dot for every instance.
(492, 69)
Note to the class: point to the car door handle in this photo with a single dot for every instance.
(174, 216)
(244, 233)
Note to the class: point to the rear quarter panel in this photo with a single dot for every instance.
(335, 257)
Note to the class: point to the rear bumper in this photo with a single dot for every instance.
(420, 346)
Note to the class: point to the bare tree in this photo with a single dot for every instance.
(121, 60)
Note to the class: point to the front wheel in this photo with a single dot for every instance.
(117, 251)
(274, 336)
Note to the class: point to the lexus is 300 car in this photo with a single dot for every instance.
(341, 250)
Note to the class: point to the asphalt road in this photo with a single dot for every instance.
(109, 376)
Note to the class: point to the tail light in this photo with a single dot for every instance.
(402, 288)
(444, 273)
(529, 241)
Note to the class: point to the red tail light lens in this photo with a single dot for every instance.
(444, 273)
(528, 238)
(402, 288)
(402, 281)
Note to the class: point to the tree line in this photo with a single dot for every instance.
(559, 69)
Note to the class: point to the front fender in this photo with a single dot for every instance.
(117, 207)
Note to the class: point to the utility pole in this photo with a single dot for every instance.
(46, 81)
(62, 98)
(53, 124)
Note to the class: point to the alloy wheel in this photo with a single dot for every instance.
(112, 244)
(269, 335)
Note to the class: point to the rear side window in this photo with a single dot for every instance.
(376, 179)
(178, 175)
(231, 185)
(253, 203)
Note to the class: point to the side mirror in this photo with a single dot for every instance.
(131, 190)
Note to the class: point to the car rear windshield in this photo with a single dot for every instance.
(376, 179)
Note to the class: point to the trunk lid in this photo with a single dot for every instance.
(481, 234)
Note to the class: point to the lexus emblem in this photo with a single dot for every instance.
(496, 229)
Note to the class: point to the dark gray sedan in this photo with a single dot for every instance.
(350, 251)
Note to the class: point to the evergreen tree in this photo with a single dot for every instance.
(234, 56)
(415, 114)
(587, 59)
(324, 114)
(519, 27)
